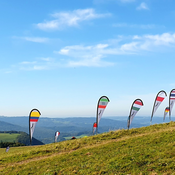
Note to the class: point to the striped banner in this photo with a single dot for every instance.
(57, 133)
(159, 98)
(171, 101)
(136, 105)
(33, 119)
(102, 103)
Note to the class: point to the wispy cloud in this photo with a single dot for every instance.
(45, 63)
(85, 55)
(33, 39)
(90, 62)
(70, 19)
(96, 55)
(165, 39)
(36, 39)
(142, 6)
(142, 26)
(99, 55)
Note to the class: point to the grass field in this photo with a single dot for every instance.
(146, 150)
(6, 137)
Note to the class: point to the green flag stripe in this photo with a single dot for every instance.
(106, 100)
(134, 108)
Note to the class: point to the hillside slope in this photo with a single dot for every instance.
(146, 150)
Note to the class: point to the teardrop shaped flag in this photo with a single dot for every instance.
(101, 106)
(56, 135)
(136, 105)
(33, 119)
(171, 101)
(158, 100)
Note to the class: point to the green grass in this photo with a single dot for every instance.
(81, 136)
(6, 137)
(146, 150)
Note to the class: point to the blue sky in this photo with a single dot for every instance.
(62, 56)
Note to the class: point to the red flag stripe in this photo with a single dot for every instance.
(33, 120)
(95, 125)
(100, 106)
(160, 99)
(138, 103)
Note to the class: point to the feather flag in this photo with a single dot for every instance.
(101, 106)
(167, 109)
(171, 101)
(33, 119)
(137, 104)
(94, 127)
(56, 135)
(159, 98)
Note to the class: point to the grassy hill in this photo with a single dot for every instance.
(146, 150)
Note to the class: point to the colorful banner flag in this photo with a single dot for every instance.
(33, 119)
(56, 135)
(167, 109)
(159, 98)
(102, 103)
(94, 127)
(137, 104)
(171, 101)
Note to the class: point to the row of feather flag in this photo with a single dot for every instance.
(101, 106)
(135, 107)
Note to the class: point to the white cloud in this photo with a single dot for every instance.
(143, 6)
(142, 26)
(36, 39)
(33, 39)
(100, 54)
(28, 62)
(69, 19)
(39, 68)
(86, 55)
(165, 39)
(94, 55)
(90, 62)
(101, 46)
(46, 59)
(44, 63)
(133, 46)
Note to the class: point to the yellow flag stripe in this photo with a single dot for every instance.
(35, 114)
